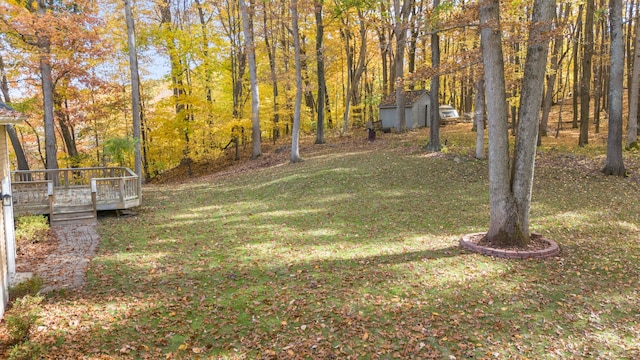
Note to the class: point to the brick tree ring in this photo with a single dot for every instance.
(473, 243)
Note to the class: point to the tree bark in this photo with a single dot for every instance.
(551, 81)
(271, 52)
(614, 164)
(253, 74)
(632, 125)
(585, 81)
(400, 30)
(44, 45)
(295, 148)
(135, 94)
(322, 84)
(576, 67)
(434, 126)
(510, 192)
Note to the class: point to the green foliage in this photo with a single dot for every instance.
(31, 229)
(22, 318)
(633, 146)
(120, 150)
(30, 287)
(27, 350)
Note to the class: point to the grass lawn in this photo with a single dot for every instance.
(354, 254)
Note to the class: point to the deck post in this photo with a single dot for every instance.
(94, 199)
(121, 183)
(51, 193)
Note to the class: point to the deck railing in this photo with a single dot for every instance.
(114, 187)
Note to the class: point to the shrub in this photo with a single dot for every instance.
(29, 287)
(31, 229)
(26, 351)
(23, 316)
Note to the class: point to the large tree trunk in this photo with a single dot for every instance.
(11, 131)
(614, 164)
(66, 129)
(434, 126)
(47, 94)
(322, 84)
(400, 30)
(510, 193)
(576, 67)
(551, 82)
(501, 202)
(295, 138)
(135, 95)
(585, 81)
(271, 52)
(632, 125)
(253, 74)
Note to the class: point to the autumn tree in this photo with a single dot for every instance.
(510, 187)
(614, 164)
(634, 94)
(135, 91)
(11, 131)
(402, 11)
(247, 26)
(585, 80)
(295, 138)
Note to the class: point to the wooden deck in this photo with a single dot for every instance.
(57, 191)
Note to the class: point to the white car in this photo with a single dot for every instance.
(448, 115)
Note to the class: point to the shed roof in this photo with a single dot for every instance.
(9, 116)
(410, 97)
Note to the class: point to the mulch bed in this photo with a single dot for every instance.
(538, 247)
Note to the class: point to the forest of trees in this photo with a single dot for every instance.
(217, 70)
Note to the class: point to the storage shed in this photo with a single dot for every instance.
(417, 108)
(8, 116)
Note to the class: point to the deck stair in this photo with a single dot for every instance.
(73, 207)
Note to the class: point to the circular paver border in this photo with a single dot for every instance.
(552, 250)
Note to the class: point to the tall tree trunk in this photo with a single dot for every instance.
(354, 69)
(551, 81)
(322, 84)
(11, 131)
(400, 30)
(253, 74)
(478, 118)
(295, 138)
(510, 193)
(434, 126)
(135, 94)
(576, 83)
(206, 62)
(44, 44)
(632, 125)
(585, 81)
(614, 164)
(271, 52)
(66, 129)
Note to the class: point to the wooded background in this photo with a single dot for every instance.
(66, 63)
